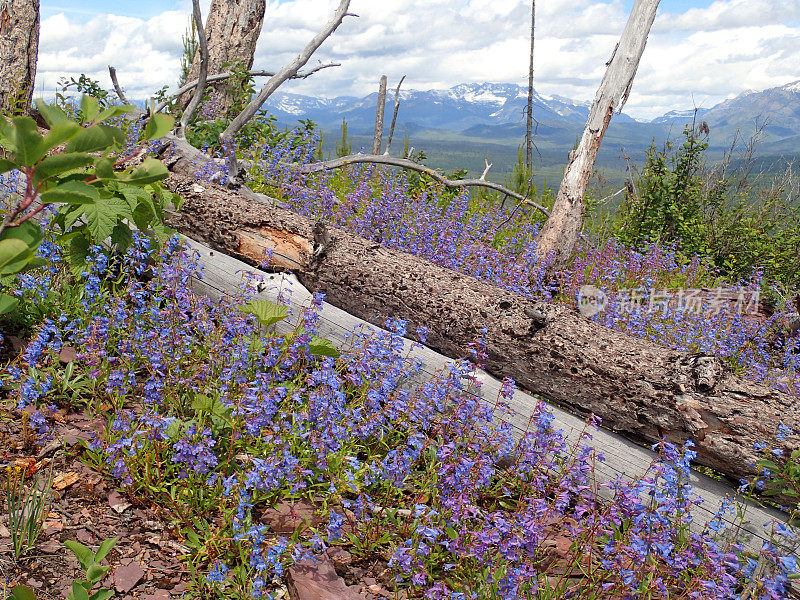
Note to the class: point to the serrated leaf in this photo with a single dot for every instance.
(72, 192)
(58, 134)
(14, 255)
(7, 303)
(52, 114)
(78, 251)
(102, 216)
(58, 164)
(321, 347)
(268, 313)
(121, 236)
(134, 195)
(150, 171)
(158, 126)
(95, 138)
(27, 141)
(89, 107)
(143, 215)
(113, 111)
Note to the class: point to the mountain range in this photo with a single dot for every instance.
(477, 118)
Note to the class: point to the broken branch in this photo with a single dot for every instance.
(353, 159)
(394, 116)
(201, 80)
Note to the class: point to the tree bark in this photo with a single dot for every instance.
(232, 31)
(559, 234)
(19, 48)
(642, 390)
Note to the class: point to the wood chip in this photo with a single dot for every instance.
(64, 480)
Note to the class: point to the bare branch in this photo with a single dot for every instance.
(376, 142)
(353, 159)
(276, 80)
(120, 94)
(226, 74)
(201, 81)
(394, 116)
(486, 170)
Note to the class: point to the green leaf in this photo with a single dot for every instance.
(22, 592)
(7, 165)
(121, 236)
(158, 126)
(268, 313)
(102, 594)
(134, 195)
(89, 107)
(143, 215)
(96, 572)
(52, 114)
(102, 216)
(7, 303)
(321, 347)
(95, 138)
(58, 134)
(29, 232)
(78, 591)
(78, 251)
(104, 168)
(58, 164)
(113, 111)
(27, 141)
(14, 255)
(84, 553)
(72, 192)
(150, 171)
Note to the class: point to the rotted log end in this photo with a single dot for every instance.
(277, 248)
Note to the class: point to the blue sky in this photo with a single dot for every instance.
(699, 51)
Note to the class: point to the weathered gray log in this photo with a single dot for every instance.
(232, 30)
(19, 47)
(223, 275)
(640, 389)
(560, 233)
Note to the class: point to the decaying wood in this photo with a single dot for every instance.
(274, 82)
(560, 233)
(19, 47)
(232, 29)
(377, 140)
(353, 159)
(642, 390)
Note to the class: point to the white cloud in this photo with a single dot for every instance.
(703, 55)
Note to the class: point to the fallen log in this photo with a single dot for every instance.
(644, 391)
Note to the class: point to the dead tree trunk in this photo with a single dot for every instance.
(19, 47)
(560, 233)
(529, 110)
(232, 31)
(638, 388)
(377, 141)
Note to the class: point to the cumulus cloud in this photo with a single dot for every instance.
(702, 55)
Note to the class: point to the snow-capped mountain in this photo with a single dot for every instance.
(455, 109)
